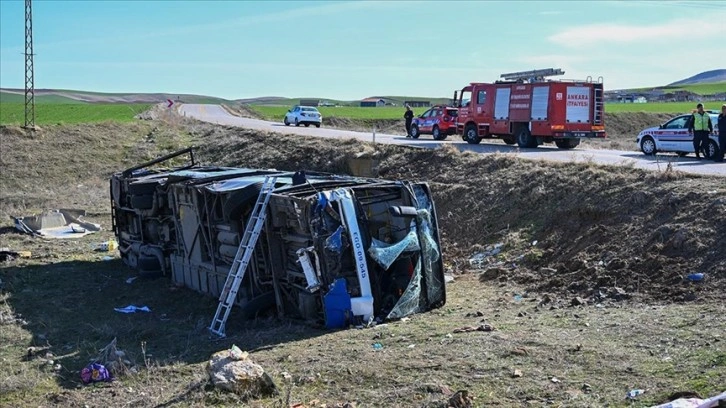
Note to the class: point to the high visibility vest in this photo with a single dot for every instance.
(700, 122)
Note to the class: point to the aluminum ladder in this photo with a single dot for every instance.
(242, 259)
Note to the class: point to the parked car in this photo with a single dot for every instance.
(673, 136)
(439, 121)
(303, 115)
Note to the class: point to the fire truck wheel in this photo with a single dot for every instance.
(567, 143)
(437, 133)
(525, 139)
(414, 132)
(510, 140)
(647, 146)
(471, 134)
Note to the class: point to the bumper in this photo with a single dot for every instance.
(580, 135)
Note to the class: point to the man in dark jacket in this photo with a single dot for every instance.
(409, 118)
(700, 127)
(721, 134)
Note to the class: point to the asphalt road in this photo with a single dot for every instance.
(217, 114)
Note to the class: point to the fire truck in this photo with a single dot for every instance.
(528, 109)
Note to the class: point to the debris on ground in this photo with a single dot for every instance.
(232, 370)
(516, 373)
(632, 394)
(107, 246)
(461, 399)
(468, 329)
(64, 223)
(95, 372)
(578, 301)
(132, 309)
(116, 361)
(481, 258)
(9, 255)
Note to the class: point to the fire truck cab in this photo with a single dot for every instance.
(527, 109)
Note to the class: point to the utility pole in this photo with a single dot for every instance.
(29, 77)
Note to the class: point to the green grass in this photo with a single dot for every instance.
(701, 89)
(46, 114)
(658, 107)
(350, 112)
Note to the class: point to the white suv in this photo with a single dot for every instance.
(303, 115)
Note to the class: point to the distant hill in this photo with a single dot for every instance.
(707, 77)
(73, 96)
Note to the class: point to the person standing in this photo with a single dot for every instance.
(409, 118)
(721, 134)
(700, 127)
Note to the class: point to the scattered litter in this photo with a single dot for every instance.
(634, 393)
(377, 346)
(517, 298)
(467, 329)
(405, 319)
(107, 246)
(64, 223)
(586, 387)
(131, 280)
(696, 277)
(95, 372)
(448, 278)
(107, 258)
(479, 259)
(235, 353)
(516, 373)
(132, 309)
(577, 301)
(555, 380)
(411, 345)
(534, 243)
(475, 314)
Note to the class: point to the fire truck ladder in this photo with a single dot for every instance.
(242, 259)
(536, 75)
(599, 104)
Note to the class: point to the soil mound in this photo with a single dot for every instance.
(596, 228)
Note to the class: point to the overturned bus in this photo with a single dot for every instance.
(334, 249)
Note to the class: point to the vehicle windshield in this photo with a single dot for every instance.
(452, 112)
(309, 110)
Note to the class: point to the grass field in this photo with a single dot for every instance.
(701, 89)
(45, 114)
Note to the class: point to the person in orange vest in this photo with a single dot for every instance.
(700, 127)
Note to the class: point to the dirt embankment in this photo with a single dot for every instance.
(596, 227)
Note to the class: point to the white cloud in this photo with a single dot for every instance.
(594, 34)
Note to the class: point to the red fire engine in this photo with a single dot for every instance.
(527, 109)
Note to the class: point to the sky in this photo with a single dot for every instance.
(354, 49)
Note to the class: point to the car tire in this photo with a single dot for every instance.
(286, 122)
(525, 139)
(510, 140)
(711, 150)
(415, 132)
(317, 125)
(471, 135)
(307, 125)
(647, 146)
(297, 123)
(567, 143)
(436, 132)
